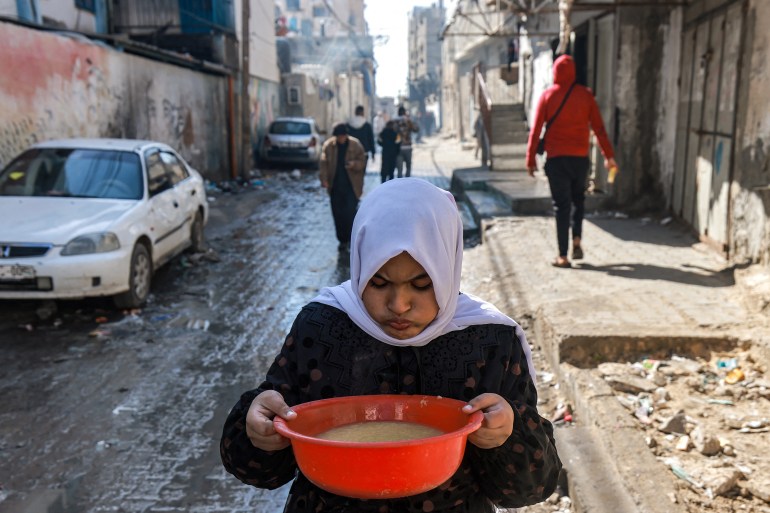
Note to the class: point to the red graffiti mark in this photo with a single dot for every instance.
(41, 62)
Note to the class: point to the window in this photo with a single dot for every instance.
(176, 168)
(86, 5)
(319, 11)
(157, 179)
(293, 5)
(290, 128)
(293, 95)
(67, 172)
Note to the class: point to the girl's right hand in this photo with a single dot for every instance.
(259, 421)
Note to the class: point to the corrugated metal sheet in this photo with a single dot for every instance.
(175, 16)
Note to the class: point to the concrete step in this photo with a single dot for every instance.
(509, 149)
(470, 226)
(508, 107)
(508, 163)
(504, 138)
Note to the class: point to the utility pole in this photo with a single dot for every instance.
(245, 104)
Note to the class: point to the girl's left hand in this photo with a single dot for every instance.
(497, 425)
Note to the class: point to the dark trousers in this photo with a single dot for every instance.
(567, 179)
(404, 161)
(344, 206)
(387, 166)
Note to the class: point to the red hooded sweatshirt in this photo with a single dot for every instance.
(568, 136)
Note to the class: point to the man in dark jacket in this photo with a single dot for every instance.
(361, 129)
(341, 170)
(566, 145)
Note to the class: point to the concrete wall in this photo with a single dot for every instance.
(668, 99)
(8, 8)
(644, 33)
(750, 194)
(263, 60)
(70, 87)
(265, 98)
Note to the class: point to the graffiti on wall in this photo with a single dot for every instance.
(67, 87)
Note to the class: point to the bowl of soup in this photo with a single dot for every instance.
(379, 446)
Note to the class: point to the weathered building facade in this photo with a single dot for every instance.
(424, 78)
(329, 64)
(176, 77)
(683, 88)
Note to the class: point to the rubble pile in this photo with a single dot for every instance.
(707, 420)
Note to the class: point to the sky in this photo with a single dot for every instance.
(391, 18)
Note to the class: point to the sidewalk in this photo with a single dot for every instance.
(647, 293)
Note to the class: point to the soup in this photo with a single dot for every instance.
(380, 431)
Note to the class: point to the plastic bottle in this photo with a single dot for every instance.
(613, 171)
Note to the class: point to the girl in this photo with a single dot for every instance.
(401, 326)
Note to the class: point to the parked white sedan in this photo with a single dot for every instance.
(95, 217)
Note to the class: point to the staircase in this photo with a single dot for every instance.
(505, 121)
(509, 137)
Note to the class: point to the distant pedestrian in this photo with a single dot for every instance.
(568, 110)
(513, 53)
(406, 128)
(379, 122)
(482, 141)
(361, 129)
(390, 140)
(342, 168)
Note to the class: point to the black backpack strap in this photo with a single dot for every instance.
(553, 118)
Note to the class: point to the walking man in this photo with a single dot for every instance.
(342, 168)
(405, 127)
(361, 129)
(390, 140)
(568, 110)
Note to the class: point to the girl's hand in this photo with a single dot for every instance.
(497, 425)
(259, 421)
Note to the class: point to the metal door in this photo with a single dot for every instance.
(706, 120)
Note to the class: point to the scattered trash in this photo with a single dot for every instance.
(99, 333)
(27, 327)
(562, 413)
(101, 320)
(683, 444)
(727, 364)
(120, 409)
(102, 445)
(734, 376)
(726, 402)
(683, 475)
(296, 174)
(666, 220)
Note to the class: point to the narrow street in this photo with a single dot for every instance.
(122, 411)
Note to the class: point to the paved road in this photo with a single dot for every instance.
(125, 415)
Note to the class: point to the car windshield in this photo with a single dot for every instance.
(290, 128)
(70, 172)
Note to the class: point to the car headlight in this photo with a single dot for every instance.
(91, 243)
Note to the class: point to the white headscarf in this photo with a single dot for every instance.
(412, 215)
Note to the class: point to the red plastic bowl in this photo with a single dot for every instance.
(379, 470)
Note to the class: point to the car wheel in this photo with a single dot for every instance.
(139, 279)
(197, 239)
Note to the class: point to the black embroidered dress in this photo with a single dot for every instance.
(327, 355)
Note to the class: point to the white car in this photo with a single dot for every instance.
(95, 217)
(292, 141)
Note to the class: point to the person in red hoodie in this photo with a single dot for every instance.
(566, 146)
